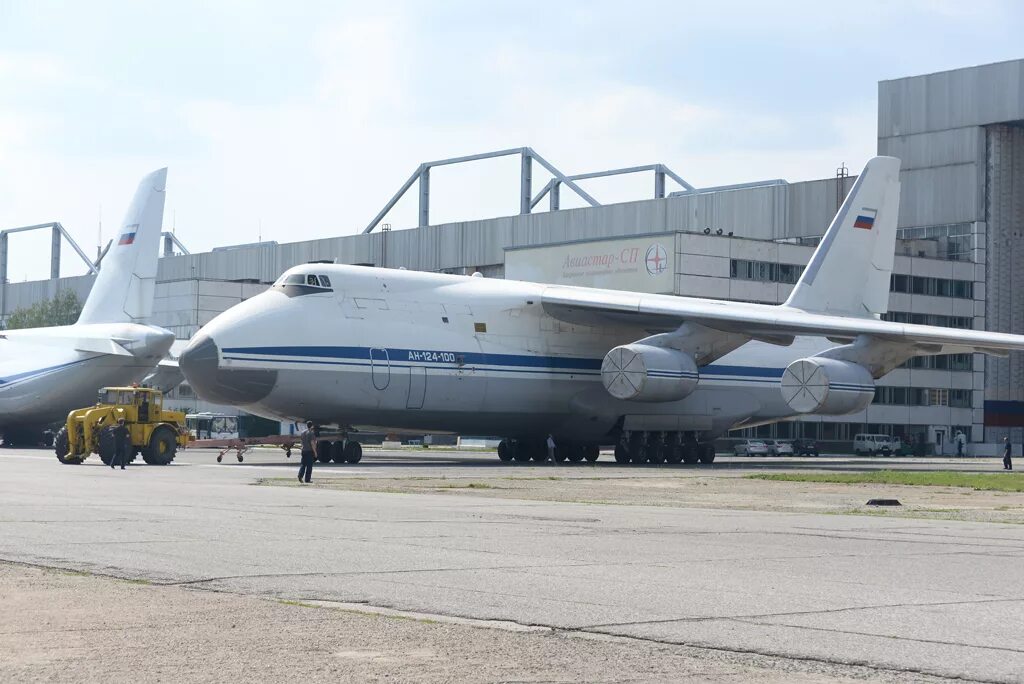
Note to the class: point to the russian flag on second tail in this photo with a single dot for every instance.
(865, 218)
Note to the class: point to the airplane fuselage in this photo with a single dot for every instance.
(47, 372)
(422, 351)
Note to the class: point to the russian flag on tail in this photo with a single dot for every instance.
(865, 218)
(128, 237)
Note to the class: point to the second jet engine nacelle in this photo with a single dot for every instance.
(640, 372)
(827, 386)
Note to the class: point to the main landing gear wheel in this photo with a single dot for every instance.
(323, 451)
(576, 453)
(621, 453)
(338, 452)
(674, 454)
(521, 451)
(353, 452)
(591, 452)
(707, 453)
(691, 453)
(505, 451)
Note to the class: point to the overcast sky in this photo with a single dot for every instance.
(296, 120)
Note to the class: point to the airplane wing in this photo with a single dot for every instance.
(841, 293)
(660, 313)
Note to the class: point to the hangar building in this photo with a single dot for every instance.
(960, 135)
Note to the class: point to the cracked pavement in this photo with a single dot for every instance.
(893, 595)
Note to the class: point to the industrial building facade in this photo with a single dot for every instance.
(960, 136)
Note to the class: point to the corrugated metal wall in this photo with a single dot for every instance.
(1005, 282)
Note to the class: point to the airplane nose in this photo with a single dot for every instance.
(200, 362)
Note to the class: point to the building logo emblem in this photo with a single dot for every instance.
(656, 259)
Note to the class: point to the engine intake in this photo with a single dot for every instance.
(640, 372)
(827, 386)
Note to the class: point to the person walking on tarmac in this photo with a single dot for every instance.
(1007, 454)
(121, 440)
(308, 451)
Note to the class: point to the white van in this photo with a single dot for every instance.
(877, 445)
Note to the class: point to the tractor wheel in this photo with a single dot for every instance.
(108, 445)
(163, 446)
(61, 446)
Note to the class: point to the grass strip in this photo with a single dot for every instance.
(995, 482)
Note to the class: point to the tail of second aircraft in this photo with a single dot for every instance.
(850, 271)
(123, 291)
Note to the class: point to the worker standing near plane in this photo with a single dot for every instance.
(1007, 452)
(551, 448)
(121, 439)
(308, 452)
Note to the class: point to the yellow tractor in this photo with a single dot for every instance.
(155, 433)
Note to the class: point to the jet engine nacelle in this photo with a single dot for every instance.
(827, 386)
(640, 372)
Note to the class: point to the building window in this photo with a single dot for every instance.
(765, 271)
(940, 320)
(932, 287)
(922, 396)
(951, 241)
(950, 362)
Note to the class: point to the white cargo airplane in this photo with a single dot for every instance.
(47, 372)
(657, 375)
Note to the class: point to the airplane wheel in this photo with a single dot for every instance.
(240, 458)
(691, 453)
(323, 451)
(220, 458)
(338, 452)
(576, 453)
(505, 451)
(621, 453)
(707, 453)
(637, 453)
(353, 452)
(521, 452)
(591, 452)
(674, 454)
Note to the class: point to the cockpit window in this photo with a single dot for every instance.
(298, 284)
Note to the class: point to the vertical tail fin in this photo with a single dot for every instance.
(123, 291)
(850, 271)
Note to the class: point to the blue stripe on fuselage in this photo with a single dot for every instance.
(360, 356)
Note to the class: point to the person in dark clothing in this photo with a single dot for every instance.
(122, 438)
(308, 452)
(1007, 453)
(144, 410)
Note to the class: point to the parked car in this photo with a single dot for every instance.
(805, 447)
(777, 448)
(752, 447)
(877, 445)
